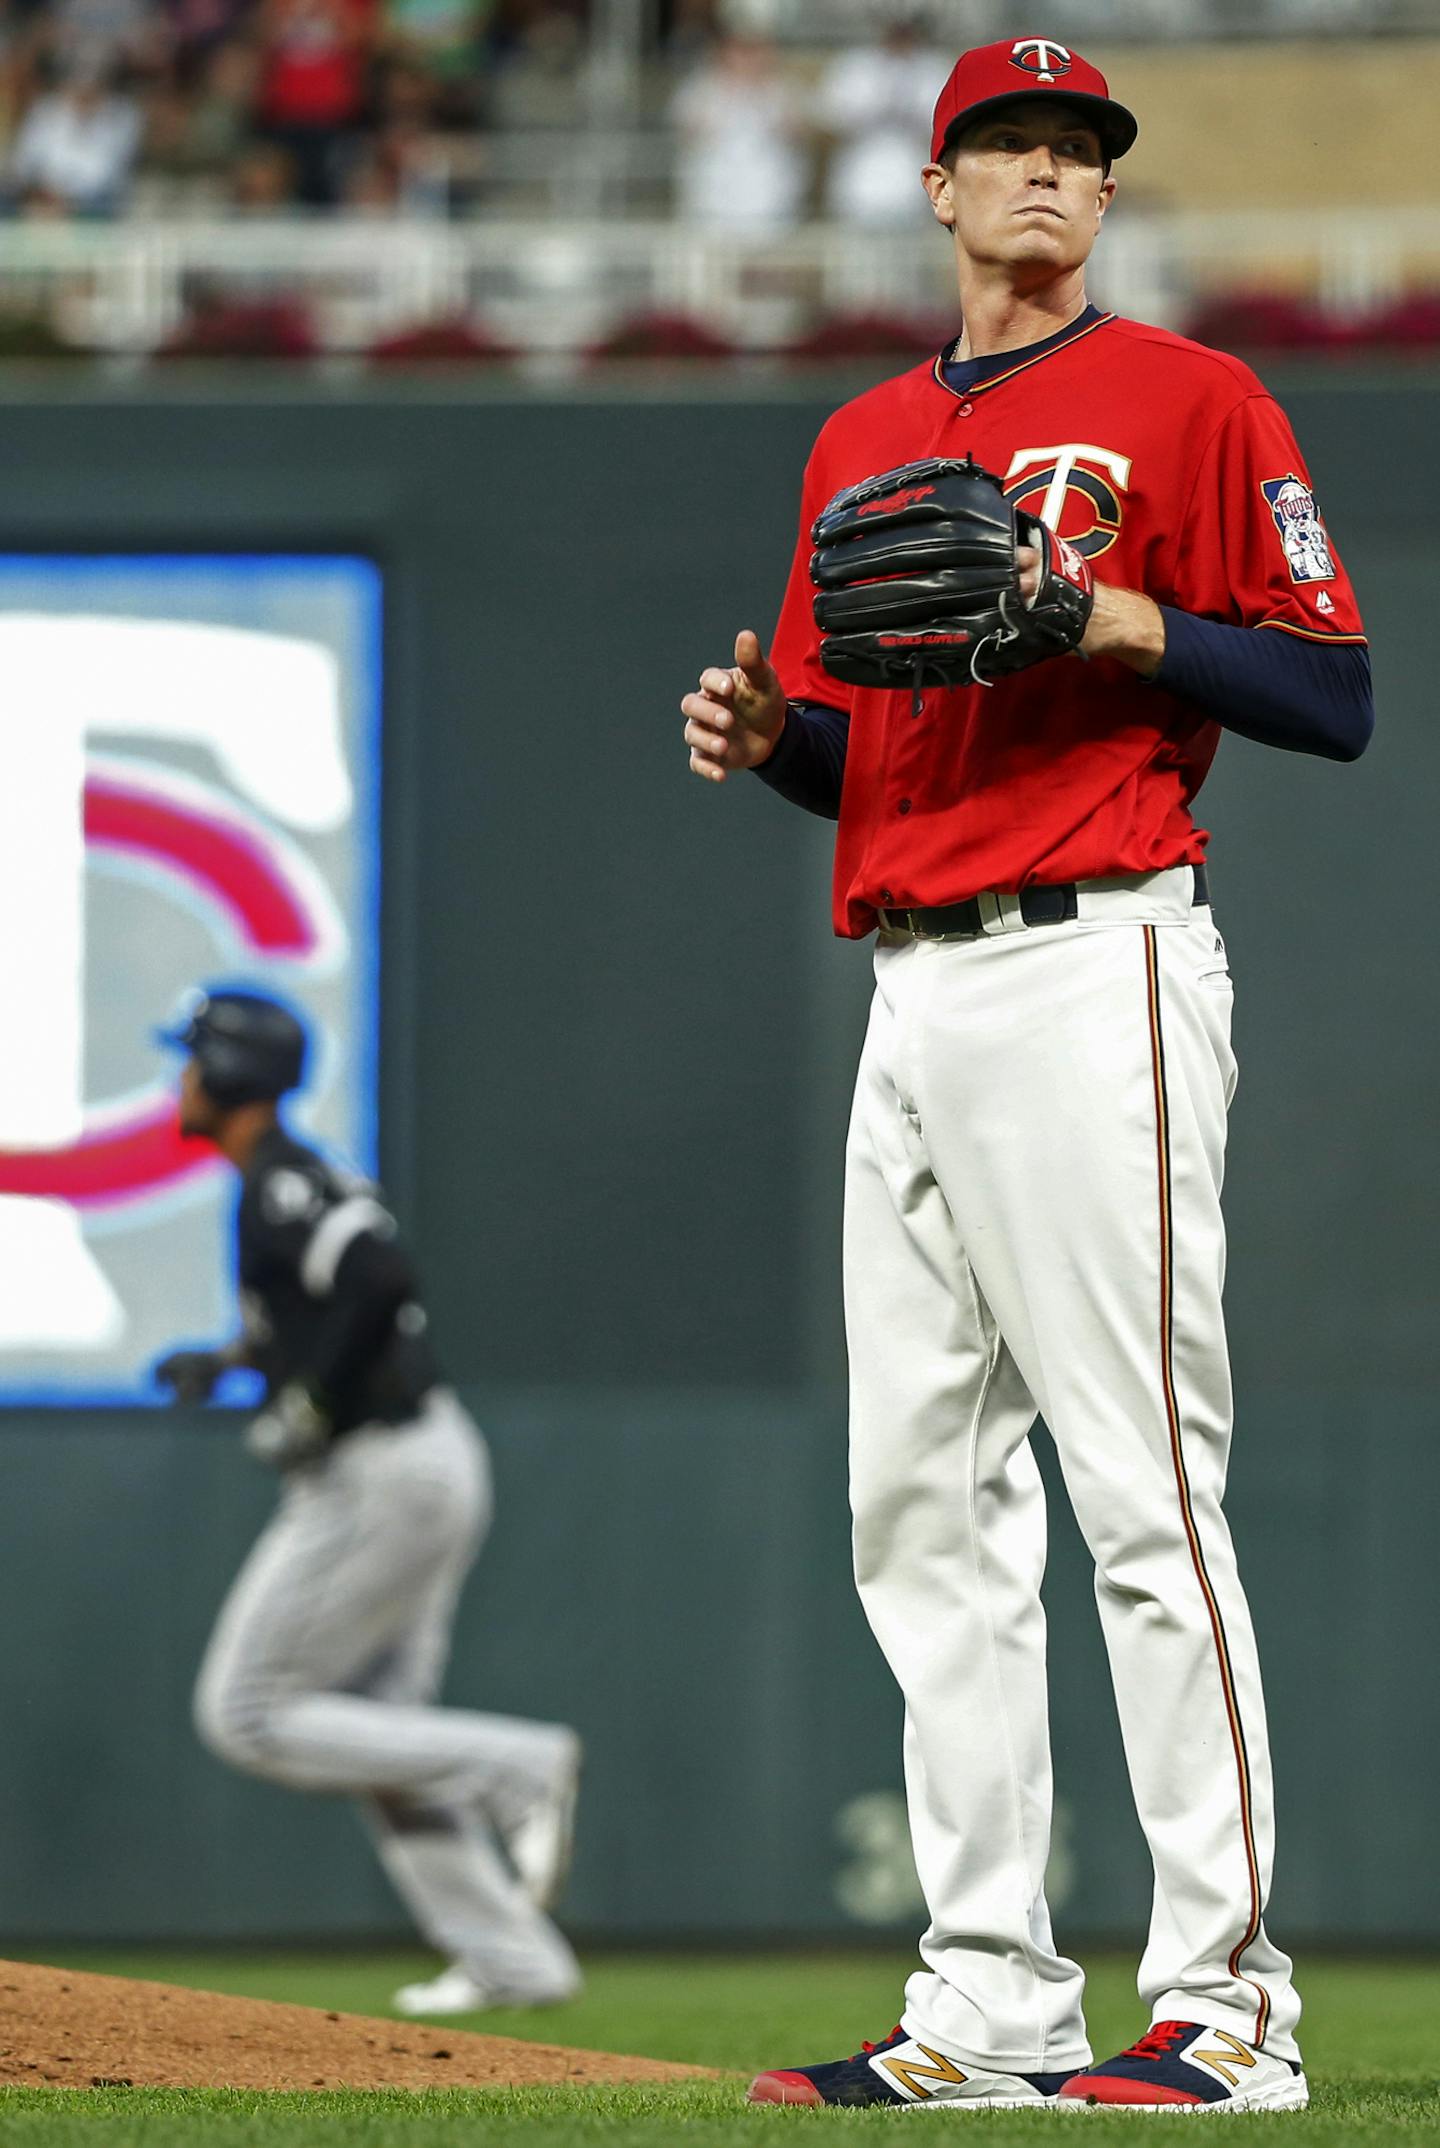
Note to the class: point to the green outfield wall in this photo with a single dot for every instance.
(615, 1066)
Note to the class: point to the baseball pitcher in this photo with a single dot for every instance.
(1036, 578)
(323, 1667)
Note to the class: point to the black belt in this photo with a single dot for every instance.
(1038, 906)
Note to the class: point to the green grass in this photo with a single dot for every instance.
(705, 2115)
(1372, 2042)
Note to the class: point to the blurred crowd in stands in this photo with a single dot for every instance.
(246, 107)
(264, 105)
(752, 155)
(267, 124)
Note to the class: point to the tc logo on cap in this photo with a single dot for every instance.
(1039, 57)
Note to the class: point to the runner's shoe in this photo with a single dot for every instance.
(455, 1991)
(541, 1842)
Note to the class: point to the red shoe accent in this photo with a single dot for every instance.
(1159, 2040)
(783, 2088)
(1115, 2088)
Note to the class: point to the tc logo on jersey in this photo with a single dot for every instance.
(1302, 533)
(1074, 485)
(1040, 57)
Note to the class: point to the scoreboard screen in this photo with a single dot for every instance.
(189, 794)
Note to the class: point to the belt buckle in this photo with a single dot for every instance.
(905, 921)
(924, 932)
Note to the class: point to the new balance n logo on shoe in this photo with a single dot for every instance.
(912, 2078)
(1235, 2054)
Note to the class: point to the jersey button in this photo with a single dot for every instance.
(967, 410)
(904, 806)
(886, 897)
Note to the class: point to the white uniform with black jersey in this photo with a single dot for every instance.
(324, 1663)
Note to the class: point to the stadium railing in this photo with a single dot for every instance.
(548, 289)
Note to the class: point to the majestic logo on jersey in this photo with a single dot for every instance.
(1075, 489)
(1302, 533)
(893, 501)
(1040, 57)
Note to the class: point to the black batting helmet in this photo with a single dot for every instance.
(249, 1048)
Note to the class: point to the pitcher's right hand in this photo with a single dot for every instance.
(735, 720)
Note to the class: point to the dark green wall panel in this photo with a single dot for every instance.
(617, 1049)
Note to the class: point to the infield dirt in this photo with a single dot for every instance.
(64, 2027)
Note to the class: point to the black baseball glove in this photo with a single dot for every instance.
(917, 581)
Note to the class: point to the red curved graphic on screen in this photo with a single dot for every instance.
(142, 1154)
(219, 856)
(120, 1158)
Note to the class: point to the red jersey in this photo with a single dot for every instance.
(1175, 473)
(313, 71)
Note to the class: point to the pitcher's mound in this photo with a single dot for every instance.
(62, 2027)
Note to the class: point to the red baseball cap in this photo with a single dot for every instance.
(995, 75)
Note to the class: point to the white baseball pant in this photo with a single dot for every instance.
(1033, 1225)
(326, 1657)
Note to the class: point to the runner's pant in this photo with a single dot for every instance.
(322, 1670)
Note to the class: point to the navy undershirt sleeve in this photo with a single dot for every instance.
(1276, 688)
(808, 764)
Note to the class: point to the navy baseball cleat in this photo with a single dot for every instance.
(1182, 2065)
(902, 2072)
